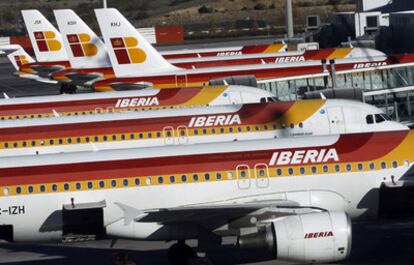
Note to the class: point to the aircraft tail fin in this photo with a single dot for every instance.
(84, 48)
(46, 40)
(128, 50)
(19, 58)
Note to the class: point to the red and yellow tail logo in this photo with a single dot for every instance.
(46, 41)
(81, 45)
(126, 50)
(21, 60)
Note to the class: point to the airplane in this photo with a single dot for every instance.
(135, 61)
(224, 51)
(187, 126)
(85, 53)
(90, 61)
(293, 197)
(47, 45)
(19, 57)
(134, 100)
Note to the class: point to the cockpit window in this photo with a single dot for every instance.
(263, 100)
(386, 117)
(379, 118)
(370, 119)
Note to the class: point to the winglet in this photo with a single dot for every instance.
(84, 48)
(129, 51)
(5, 95)
(130, 213)
(45, 38)
(322, 96)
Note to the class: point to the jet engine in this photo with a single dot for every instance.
(313, 237)
(248, 80)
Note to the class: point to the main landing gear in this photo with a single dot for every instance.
(67, 89)
(180, 253)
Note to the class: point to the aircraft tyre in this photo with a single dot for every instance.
(180, 253)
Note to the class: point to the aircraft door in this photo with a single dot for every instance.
(235, 98)
(168, 135)
(336, 120)
(181, 80)
(182, 133)
(243, 177)
(261, 172)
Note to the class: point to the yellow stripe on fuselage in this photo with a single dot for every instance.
(339, 53)
(274, 48)
(205, 96)
(301, 111)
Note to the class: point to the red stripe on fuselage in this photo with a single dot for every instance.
(386, 141)
(249, 114)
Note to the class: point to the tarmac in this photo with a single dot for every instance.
(373, 243)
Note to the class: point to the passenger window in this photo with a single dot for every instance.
(96, 138)
(360, 167)
(172, 179)
(24, 144)
(66, 186)
(54, 187)
(123, 137)
(221, 130)
(325, 168)
(371, 165)
(160, 180)
(337, 168)
(204, 131)
(69, 140)
(195, 177)
(256, 128)
(230, 175)
(78, 186)
(14, 144)
(292, 125)
(101, 184)
(231, 129)
(290, 171)
(90, 185)
(132, 136)
(113, 137)
(394, 164)
(148, 181)
(195, 132)
(42, 188)
(18, 190)
(261, 173)
(218, 175)
(207, 176)
(248, 128)
(266, 127)
(279, 172)
(213, 131)
(113, 183)
(33, 143)
(6, 145)
(158, 134)
(125, 182)
(141, 136)
(137, 182)
(149, 135)
(300, 125)
(348, 167)
(314, 170)
(370, 119)
(87, 139)
(302, 170)
(383, 165)
(183, 178)
(30, 189)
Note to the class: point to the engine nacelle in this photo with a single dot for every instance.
(314, 237)
(248, 80)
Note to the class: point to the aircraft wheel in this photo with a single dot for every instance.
(180, 253)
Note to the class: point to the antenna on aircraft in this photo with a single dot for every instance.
(55, 113)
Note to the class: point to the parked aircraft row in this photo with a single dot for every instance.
(192, 161)
(80, 58)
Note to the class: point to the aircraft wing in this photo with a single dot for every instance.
(214, 215)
